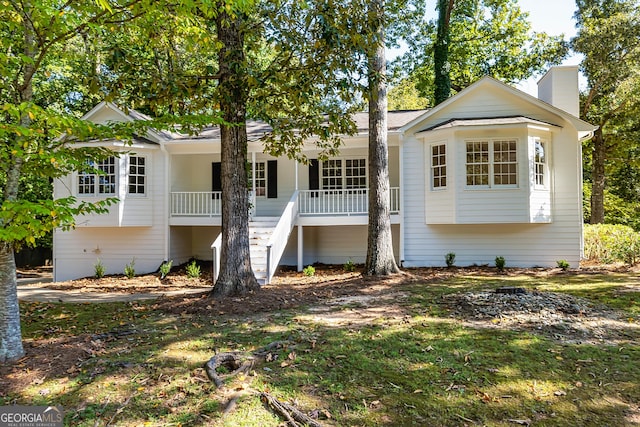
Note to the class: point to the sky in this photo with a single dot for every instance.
(554, 17)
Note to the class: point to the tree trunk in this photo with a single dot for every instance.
(10, 334)
(442, 68)
(380, 260)
(236, 276)
(599, 158)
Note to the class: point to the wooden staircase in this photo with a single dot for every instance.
(260, 231)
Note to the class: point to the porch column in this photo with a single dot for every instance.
(296, 169)
(300, 246)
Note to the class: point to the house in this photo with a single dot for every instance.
(490, 172)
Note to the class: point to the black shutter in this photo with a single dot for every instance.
(216, 178)
(314, 176)
(272, 179)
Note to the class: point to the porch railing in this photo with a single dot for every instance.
(310, 202)
(341, 202)
(280, 236)
(196, 203)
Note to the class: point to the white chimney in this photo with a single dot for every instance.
(559, 87)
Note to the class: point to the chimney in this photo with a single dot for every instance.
(559, 87)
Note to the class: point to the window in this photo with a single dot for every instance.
(478, 163)
(438, 166)
(261, 178)
(505, 162)
(137, 173)
(356, 173)
(540, 163)
(332, 175)
(338, 174)
(92, 184)
(492, 163)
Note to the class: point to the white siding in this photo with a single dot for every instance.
(506, 213)
(76, 251)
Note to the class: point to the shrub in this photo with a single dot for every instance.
(607, 243)
(165, 268)
(450, 259)
(309, 271)
(349, 266)
(129, 269)
(500, 263)
(98, 269)
(193, 270)
(563, 264)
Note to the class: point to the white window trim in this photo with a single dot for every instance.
(432, 168)
(492, 185)
(343, 175)
(96, 184)
(545, 164)
(252, 170)
(128, 175)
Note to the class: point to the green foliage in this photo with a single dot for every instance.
(165, 268)
(349, 266)
(563, 264)
(450, 259)
(193, 270)
(607, 243)
(500, 263)
(98, 269)
(130, 270)
(309, 271)
(405, 96)
(487, 37)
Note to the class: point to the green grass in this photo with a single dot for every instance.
(413, 367)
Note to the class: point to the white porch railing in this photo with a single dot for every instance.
(280, 236)
(310, 202)
(196, 203)
(341, 202)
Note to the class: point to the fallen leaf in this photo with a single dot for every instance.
(560, 393)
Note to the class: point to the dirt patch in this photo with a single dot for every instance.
(559, 316)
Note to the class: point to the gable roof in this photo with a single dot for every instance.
(491, 84)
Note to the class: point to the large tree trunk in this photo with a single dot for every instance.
(236, 276)
(380, 260)
(442, 68)
(598, 159)
(10, 334)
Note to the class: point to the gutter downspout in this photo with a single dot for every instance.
(167, 196)
(402, 209)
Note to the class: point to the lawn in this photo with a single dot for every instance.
(403, 352)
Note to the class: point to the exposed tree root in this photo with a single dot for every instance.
(241, 362)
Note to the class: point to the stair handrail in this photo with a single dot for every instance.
(216, 247)
(280, 236)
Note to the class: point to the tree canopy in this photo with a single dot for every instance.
(486, 37)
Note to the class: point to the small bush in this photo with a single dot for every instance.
(98, 269)
(309, 271)
(607, 243)
(193, 270)
(563, 264)
(500, 263)
(130, 270)
(349, 266)
(450, 259)
(165, 268)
